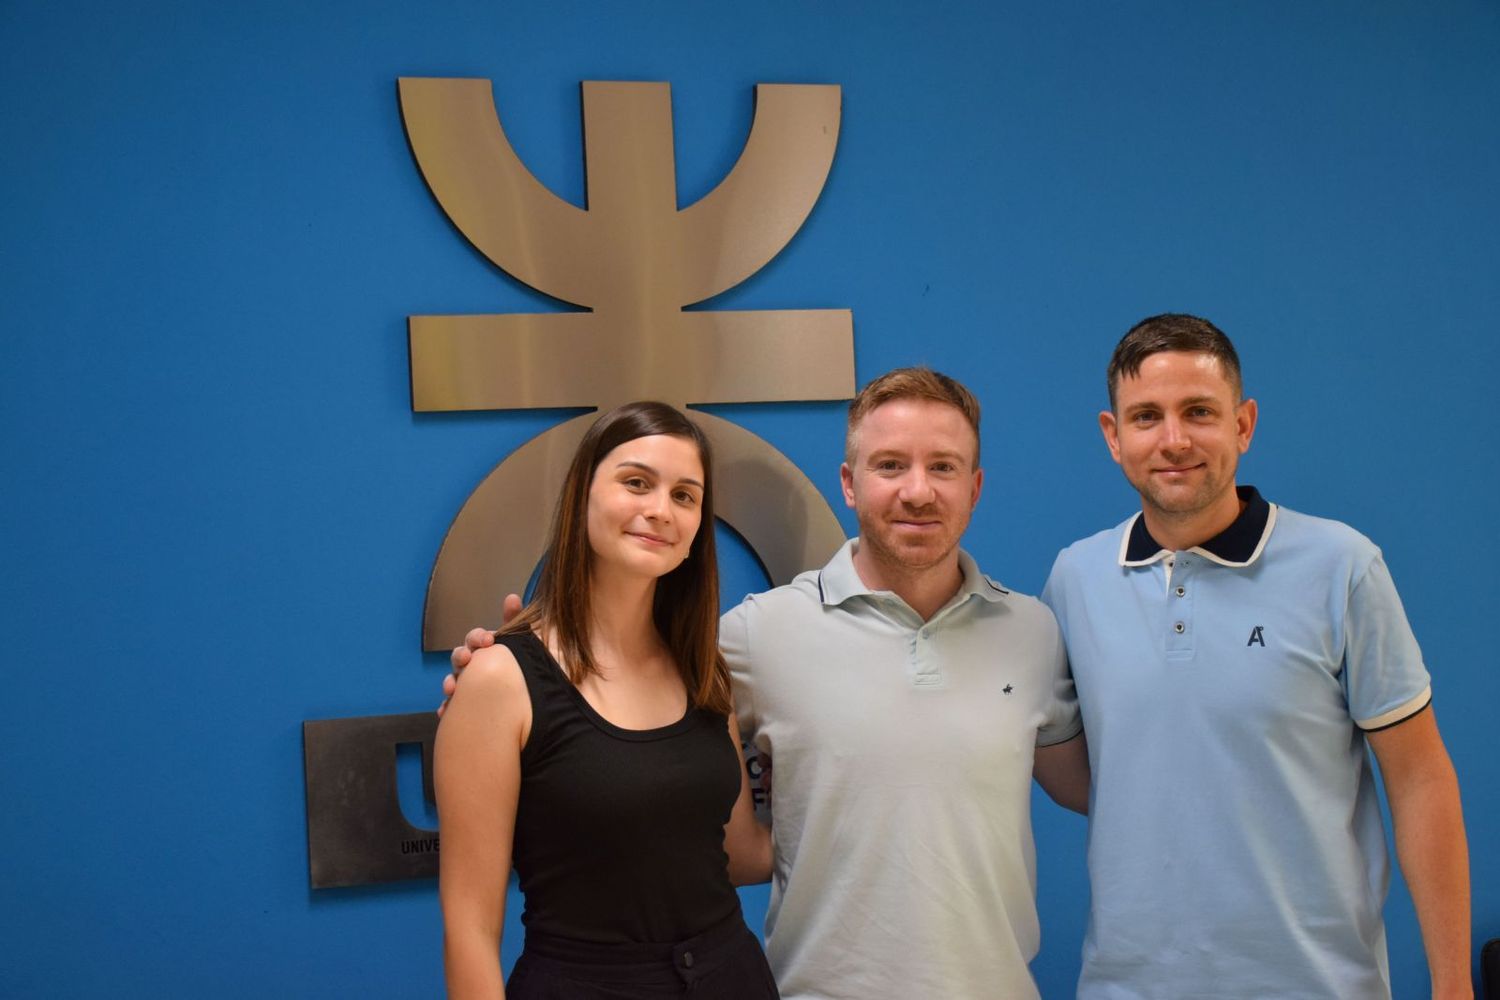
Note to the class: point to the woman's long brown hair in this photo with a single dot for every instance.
(686, 604)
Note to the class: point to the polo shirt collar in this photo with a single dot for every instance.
(1240, 544)
(839, 581)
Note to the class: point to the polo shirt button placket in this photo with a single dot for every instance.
(1180, 609)
(925, 670)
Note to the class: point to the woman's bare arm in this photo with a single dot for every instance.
(477, 773)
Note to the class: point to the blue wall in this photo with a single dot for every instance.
(217, 512)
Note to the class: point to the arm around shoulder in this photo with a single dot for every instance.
(477, 773)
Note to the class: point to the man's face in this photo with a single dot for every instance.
(912, 482)
(1178, 431)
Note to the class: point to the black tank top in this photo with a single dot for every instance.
(619, 832)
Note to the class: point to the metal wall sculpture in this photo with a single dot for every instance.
(635, 260)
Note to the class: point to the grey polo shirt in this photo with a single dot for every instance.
(902, 756)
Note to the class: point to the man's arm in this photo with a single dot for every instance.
(1062, 769)
(1063, 772)
(734, 644)
(1431, 846)
(746, 841)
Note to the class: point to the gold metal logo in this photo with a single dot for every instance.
(635, 260)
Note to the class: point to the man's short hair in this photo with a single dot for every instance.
(921, 383)
(1172, 332)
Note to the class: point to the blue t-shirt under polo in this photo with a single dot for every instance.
(1235, 840)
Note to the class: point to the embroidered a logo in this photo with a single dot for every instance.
(1257, 637)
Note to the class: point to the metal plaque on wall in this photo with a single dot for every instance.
(356, 832)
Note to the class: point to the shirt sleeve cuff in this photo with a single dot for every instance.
(1049, 737)
(1399, 714)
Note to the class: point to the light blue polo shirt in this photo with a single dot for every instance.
(1235, 840)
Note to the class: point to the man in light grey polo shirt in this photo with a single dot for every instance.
(904, 701)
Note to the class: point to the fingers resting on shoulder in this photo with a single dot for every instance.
(475, 640)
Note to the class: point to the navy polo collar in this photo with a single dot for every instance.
(1237, 545)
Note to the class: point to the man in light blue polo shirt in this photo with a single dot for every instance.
(1233, 660)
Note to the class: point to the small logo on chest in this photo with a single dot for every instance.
(1007, 689)
(1257, 637)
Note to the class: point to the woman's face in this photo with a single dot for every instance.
(645, 505)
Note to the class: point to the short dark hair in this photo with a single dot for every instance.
(919, 382)
(686, 605)
(1172, 332)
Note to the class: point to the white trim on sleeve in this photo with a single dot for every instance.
(1400, 713)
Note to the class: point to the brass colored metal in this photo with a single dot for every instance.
(512, 362)
(760, 493)
(635, 260)
(767, 499)
(631, 246)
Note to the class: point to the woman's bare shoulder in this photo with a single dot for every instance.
(492, 673)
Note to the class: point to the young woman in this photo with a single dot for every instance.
(594, 748)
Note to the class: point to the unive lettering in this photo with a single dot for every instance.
(422, 845)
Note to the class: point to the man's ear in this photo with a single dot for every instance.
(846, 482)
(1245, 416)
(1111, 430)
